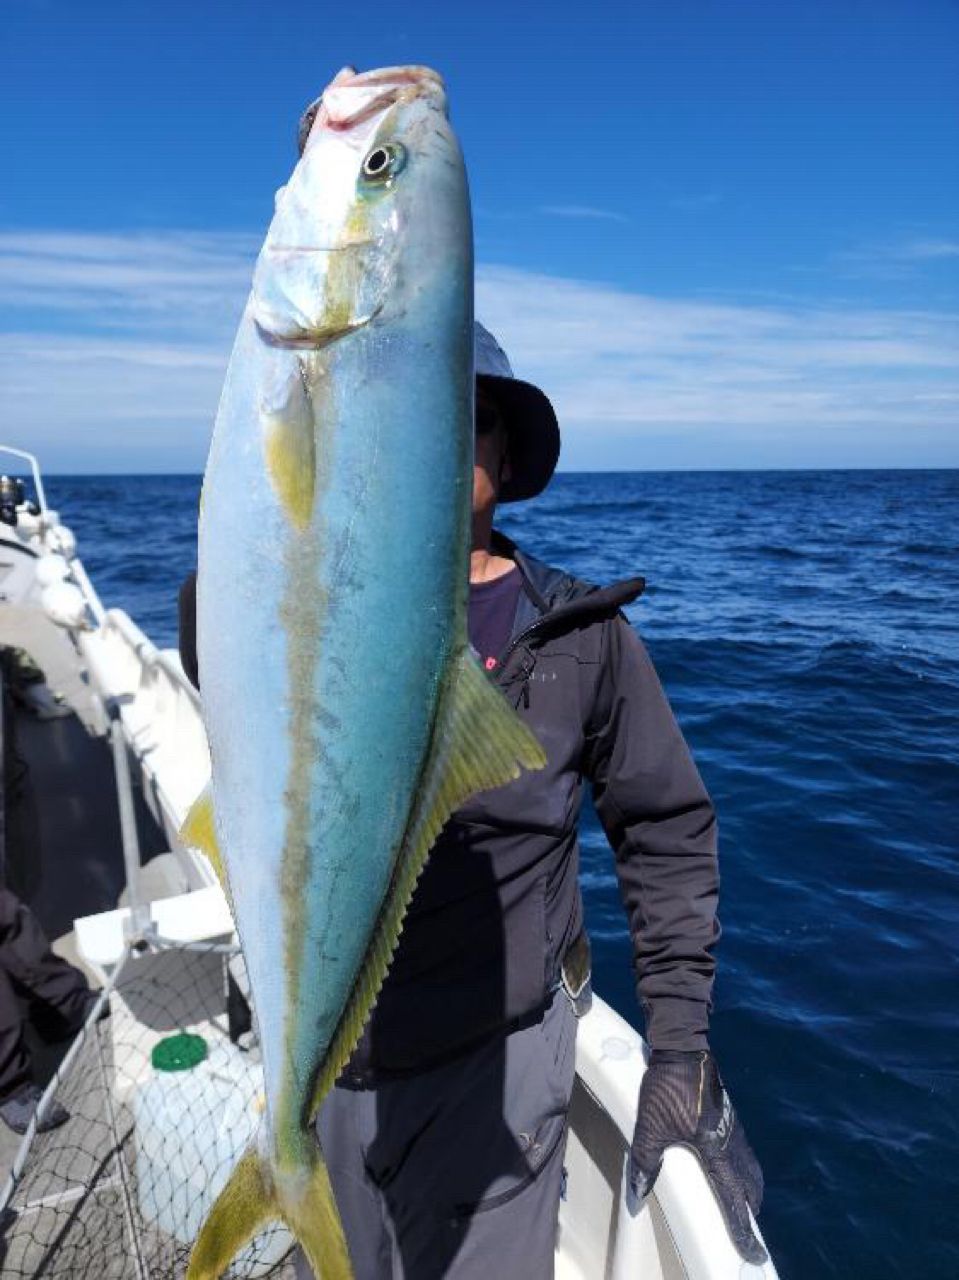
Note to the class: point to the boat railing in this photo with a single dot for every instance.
(35, 471)
(135, 688)
(79, 575)
(159, 712)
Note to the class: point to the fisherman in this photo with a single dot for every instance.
(445, 1135)
(30, 970)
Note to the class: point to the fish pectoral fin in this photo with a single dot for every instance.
(288, 424)
(253, 1197)
(199, 831)
(478, 742)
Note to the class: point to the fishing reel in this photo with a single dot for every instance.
(12, 495)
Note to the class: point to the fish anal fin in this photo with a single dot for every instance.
(199, 830)
(479, 742)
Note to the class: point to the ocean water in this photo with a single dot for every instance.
(806, 628)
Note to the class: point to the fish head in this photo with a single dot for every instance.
(379, 195)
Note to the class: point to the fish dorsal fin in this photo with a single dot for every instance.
(478, 742)
(199, 831)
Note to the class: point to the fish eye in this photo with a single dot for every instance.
(384, 162)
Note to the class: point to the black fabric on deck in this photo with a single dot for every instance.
(64, 854)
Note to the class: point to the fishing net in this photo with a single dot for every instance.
(162, 1104)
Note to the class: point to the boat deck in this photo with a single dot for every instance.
(64, 859)
(63, 854)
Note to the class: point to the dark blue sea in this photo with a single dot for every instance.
(806, 628)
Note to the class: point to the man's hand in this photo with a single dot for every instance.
(682, 1102)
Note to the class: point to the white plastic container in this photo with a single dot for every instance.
(190, 1129)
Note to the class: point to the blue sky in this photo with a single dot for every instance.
(718, 234)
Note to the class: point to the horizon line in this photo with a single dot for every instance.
(605, 471)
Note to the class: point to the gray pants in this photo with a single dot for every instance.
(457, 1172)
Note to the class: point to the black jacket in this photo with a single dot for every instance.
(499, 902)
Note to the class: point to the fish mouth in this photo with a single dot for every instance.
(308, 337)
(357, 242)
(412, 73)
(293, 306)
(353, 97)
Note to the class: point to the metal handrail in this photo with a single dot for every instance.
(35, 468)
(79, 575)
(151, 658)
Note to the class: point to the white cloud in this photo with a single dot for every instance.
(895, 259)
(116, 346)
(700, 200)
(91, 404)
(923, 250)
(747, 384)
(585, 211)
(175, 281)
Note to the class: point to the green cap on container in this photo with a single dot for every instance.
(179, 1052)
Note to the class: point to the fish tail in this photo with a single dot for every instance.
(253, 1197)
(315, 1221)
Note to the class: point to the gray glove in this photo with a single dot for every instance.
(682, 1102)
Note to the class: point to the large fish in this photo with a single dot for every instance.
(346, 715)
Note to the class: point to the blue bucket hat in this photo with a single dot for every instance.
(531, 427)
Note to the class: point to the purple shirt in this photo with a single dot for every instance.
(492, 607)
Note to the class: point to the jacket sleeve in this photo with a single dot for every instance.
(187, 614)
(662, 828)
